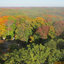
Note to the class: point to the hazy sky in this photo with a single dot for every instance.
(31, 3)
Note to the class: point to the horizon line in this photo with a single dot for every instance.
(26, 6)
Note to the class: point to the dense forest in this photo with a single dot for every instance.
(31, 35)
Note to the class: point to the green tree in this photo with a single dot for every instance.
(55, 55)
(60, 44)
(52, 32)
(10, 24)
(51, 44)
(24, 29)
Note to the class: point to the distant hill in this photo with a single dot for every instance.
(32, 11)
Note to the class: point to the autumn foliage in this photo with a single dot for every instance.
(23, 26)
(31, 35)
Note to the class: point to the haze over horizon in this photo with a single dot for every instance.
(32, 3)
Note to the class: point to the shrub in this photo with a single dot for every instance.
(51, 44)
(60, 44)
(34, 54)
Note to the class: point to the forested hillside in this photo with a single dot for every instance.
(31, 35)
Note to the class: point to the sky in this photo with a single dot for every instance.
(31, 3)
